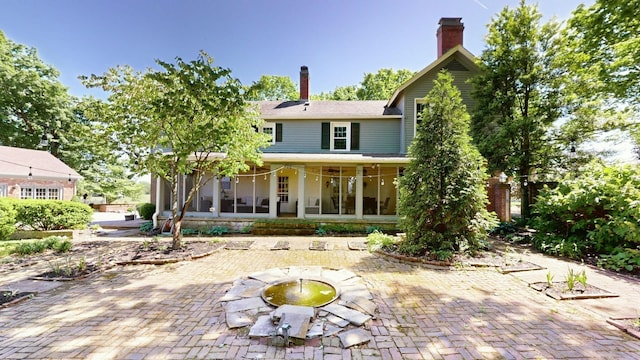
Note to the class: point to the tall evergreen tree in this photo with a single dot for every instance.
(442, 191)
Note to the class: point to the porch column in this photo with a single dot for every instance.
(215, 199)
(273, 192)
(301, 196)
(359, 190)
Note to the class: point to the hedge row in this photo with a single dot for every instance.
(42, 215)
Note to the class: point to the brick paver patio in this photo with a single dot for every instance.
(172, 312)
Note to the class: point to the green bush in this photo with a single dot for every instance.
(57, 243)
(146, 210)
(596, 212)
(52, 214)
(146, 226)
(7, 219)
(378, 240)
(216, 230)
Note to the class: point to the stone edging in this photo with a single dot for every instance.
(18, 300)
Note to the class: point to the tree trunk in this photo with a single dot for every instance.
(176, 219)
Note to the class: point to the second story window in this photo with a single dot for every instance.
(269, 129)
(418, 108)
(273, 129)
(340, 136)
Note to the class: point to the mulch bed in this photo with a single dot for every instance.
(560, 291)
(160, 252)
(8, 297)
(67, 272)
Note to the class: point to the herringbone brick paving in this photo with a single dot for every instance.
(172, 312)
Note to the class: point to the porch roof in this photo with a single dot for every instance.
(336, 158)
(361, 109)
(295, 158)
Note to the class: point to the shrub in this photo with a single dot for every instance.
(599, 212)
(57, 243)
(52, 214)
(146, 226)
(7, 219)
(379, 240)
(217, 230)
(146, 210)
(189, 231)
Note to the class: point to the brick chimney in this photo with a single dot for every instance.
(449, 34)
(304, 83)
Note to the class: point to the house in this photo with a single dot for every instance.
(35, 174)
(331, 159)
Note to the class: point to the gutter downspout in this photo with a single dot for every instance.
(154, 217)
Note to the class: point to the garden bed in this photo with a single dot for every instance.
(560, 291)
(10, 297)
(630, 325)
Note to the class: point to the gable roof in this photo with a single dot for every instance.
(15, 162)
(459, 52)
(356, 109)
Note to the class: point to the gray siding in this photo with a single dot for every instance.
(304, 136)
(420, 88)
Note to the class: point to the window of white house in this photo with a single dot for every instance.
(270, 129)
(340, 136)
(419, 106)
(3, 190)
(283, 188)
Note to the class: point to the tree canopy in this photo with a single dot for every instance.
(605, 47)
(442, 191)
(188, 118)
(272, 87)
(517, 95)
(378, 86)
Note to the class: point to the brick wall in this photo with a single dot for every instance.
(14, 185)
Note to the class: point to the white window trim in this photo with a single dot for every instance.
(271, 126)
(4, 190)
(348, 139)
(416, 101)
(47, 188)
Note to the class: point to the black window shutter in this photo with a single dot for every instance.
(278, 132)
(326, 136)
(355, 136)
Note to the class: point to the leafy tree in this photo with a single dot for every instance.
(33, 102)
(605, 47)
(601, 62)
(112, 180)
(442, 191)
(381, 85)
(187, 118)
(272, 87)
(378, 86)
(517, 95)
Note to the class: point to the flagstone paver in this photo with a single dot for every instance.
(173, 312)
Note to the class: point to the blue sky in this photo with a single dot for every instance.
(339, 40)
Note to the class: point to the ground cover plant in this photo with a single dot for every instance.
(596, 214)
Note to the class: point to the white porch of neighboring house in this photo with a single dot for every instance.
(304, 186)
